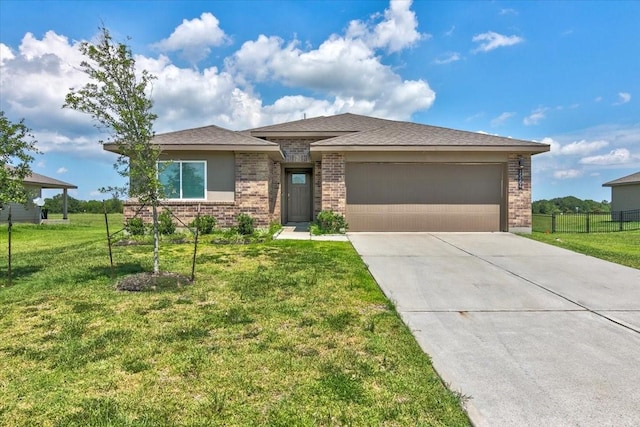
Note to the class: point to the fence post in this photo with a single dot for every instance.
(553, 222)
(621, 216)
(588, 223)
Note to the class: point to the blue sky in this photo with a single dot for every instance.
(564, 73)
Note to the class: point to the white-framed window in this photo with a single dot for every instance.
(183, 179)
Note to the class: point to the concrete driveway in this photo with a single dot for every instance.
(534, 335)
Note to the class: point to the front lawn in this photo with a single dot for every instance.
(282, 333)
(622, 247)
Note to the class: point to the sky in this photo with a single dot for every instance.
(564, 73)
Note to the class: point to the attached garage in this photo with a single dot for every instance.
(425, 196)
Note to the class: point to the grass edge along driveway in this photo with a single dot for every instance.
(280, 333)
(621, 247)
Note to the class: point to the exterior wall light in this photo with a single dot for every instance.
(520, 173)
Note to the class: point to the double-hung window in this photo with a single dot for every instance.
(183, 179)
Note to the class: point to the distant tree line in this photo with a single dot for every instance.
(54, 205)
(569, 204)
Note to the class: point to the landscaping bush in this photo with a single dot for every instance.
(165, 223)
(134, 226)
(329, 222)
(205, 224)
(245, 224)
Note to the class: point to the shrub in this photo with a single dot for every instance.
(205, 224)
(165, 223)
(329, 222)
(245, 224)
(134, 226)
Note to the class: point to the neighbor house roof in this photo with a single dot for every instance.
(210, 138)
(44, 181)
(634, 178)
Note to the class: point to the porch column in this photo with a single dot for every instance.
(64, 203)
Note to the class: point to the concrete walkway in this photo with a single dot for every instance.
(300, 231)
(534, 335)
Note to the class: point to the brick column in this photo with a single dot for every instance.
(252, 186)
(317, 188)
(519, 198)
(334, 190)
(274, 191)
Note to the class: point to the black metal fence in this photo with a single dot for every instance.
(587, 222)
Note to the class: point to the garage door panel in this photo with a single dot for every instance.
(424, 197)
(456, 217)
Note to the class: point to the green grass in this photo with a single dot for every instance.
(621, 247)
(281, 333)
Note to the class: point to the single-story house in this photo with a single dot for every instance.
(625, 196)
(383, 175)
(32, 212)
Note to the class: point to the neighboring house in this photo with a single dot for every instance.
(383, 175)
(32, 212)
(625, 196)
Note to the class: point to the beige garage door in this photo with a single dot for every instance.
(424, 197)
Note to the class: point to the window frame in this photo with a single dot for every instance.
(180, 163)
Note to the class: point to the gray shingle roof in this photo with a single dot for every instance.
(362, 131)
(342, 130)
(340, 123)
(414, 134)
(208, 135)
(634, 178)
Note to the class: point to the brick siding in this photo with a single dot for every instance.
(334, 190)
(519, 199)
(254, 195)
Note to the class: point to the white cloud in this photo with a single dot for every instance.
(450, 32)
(5, 53)
(447, 58)
(508, 11)
(396, 31)
(598, 99)
(535, 116)
(582, 148)
(41, 164)
(346, 68)
(492, 40)
(345, 73)
(62, 170)
(623, 98)
(502, 118)
(195, 37)
(567, 174)
(619, 156)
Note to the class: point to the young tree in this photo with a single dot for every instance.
(117, 99)
(16, 148)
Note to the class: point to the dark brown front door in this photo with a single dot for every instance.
(298, 196)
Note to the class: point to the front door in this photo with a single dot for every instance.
(298, 196)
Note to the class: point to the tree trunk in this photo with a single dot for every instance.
(156, 239)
